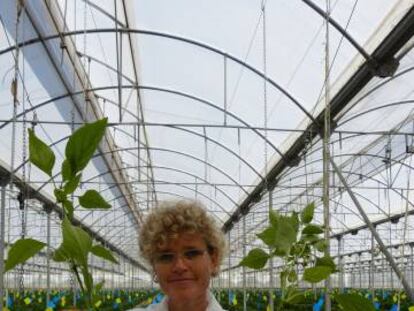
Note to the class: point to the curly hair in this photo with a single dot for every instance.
(171, 218)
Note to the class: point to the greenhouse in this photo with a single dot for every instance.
(290, 122)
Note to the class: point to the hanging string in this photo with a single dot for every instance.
(225, 89)
(326, 153)
(270, 207)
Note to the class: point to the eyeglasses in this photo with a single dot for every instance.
(190, 255)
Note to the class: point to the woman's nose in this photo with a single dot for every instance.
(179, 264)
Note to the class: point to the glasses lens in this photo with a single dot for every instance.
(190, 255)
(165, 258)
(193, 254)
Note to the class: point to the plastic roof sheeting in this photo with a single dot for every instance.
(203, 99)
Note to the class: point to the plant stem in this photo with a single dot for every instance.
(85, 294)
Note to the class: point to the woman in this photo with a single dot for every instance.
(184, 247)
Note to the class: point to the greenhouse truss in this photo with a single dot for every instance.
(243, 105)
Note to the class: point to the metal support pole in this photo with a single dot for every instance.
(371, 269)
(271, 279)
(326, 156)
(229, 268)
(244, 268)
(48, 254)
(412, 265)
(383, 274)
(3, 184)
(340, 267)
(369, 224)
(360, 270)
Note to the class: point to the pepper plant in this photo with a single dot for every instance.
(297, 242)
(76, 244)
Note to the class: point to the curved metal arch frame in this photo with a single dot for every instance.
(169, 168)
(175, 184)
(315, 150)
(356, 193)
(151, 148)
(187, 188)
(402, 102)
(132, 148)
(380, 85)
(196, 134)
(366, 176)
(168, 36)
(165, 192)
(185, 155)
(309, 3)
(341, 30)
(154, 89)
(166, 168)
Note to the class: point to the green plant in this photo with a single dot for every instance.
(76, 244)
(296, 241)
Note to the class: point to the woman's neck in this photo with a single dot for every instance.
(197, 304)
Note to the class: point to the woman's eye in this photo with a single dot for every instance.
(165, 258)
(194, 253)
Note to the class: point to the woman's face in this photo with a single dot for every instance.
(184, 267)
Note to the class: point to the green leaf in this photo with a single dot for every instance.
(83, 143)
(256, 259)
(60, 195)
(310, 238)
(317, 274)
(60, 255)
(285, 233)
(326, 261)
(354, 302)
(66, 170)
(40, 154)
(321, 245)
(280, 252)
(312, 229)
(293, 296)
(21, 251)
(268, 236)
(72, 184)
(104, 253)
(295, 221)
(307, 214)
(92, 199)
(76, 242)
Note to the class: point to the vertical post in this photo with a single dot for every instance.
(229, 276)
(412, 264)
(383, 273)
(340, 267)
(369, 224)
(360, 270)
(244, 268)
(3, 184)
(271, 281)
(371, 269)
(48, 211)
(326, 155)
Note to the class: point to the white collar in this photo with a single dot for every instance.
(213, 304)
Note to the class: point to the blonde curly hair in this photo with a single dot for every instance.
(171, 218)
